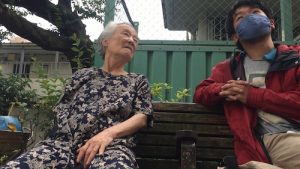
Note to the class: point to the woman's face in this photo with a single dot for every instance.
(122, 43)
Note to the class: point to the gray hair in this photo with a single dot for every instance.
(108, 30)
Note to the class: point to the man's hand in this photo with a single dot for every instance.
(235, 90)
(96, 144)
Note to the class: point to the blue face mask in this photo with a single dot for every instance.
(253, 27)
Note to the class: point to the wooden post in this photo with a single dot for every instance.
(186, 148)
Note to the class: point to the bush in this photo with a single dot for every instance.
(15, 91)
(157, 90)
(50, 92)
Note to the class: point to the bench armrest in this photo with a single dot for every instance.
(186, 148)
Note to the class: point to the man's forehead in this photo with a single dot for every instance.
(245, 9)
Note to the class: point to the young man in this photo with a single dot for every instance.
(259, 89)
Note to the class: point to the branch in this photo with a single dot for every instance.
(65, 4)
(41, 8)
(67, 22)
(32, 32)
(60, 15)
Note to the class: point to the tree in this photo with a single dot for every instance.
(69, 35)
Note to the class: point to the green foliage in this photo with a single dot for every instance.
(3, 159)
(158, 90)
(4, 34)
(90, 8)
(181, 95)
(78, 48)
(15, 91)
(50, 90)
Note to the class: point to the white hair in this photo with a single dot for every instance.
(107, 32)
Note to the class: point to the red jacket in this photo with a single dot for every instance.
(281, 97)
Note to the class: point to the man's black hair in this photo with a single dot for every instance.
(244, 3)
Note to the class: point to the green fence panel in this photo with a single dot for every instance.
(196, 71)
(177, 72)
(140, 63)
(215, 58)
(158, 66)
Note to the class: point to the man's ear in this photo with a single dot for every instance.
(235, 38)
(272, 22)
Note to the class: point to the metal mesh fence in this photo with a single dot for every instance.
(296, 20)
(199, 19)
(149, 15)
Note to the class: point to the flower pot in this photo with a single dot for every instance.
(10, 123)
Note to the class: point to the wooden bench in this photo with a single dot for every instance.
(13, 143)
(156, 148)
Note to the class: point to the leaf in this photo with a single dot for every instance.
(75, 49)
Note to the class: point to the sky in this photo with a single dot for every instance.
(147, 12)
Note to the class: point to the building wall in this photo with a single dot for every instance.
(23, 58)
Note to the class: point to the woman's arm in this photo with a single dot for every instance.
(99, 142)
(142, 109)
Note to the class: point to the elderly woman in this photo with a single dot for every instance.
(99, 112)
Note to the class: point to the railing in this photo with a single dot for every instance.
(51, 69)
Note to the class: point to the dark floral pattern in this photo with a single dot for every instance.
(93, 101)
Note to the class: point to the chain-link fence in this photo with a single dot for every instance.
(199, 19)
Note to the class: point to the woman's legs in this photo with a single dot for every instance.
(40, 157)
(120, 157)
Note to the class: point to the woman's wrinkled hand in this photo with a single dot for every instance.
(96, 144)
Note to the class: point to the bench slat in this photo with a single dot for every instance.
(213, 153)
(187, 117)
(184, 107)
(169, 140)
(10, 141)
(147, 163)
(212, 130)
(169, 152)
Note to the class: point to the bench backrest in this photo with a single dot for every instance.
(157, 146)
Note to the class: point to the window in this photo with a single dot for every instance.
(25, 70)
(216, 28)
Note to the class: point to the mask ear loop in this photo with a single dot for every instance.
(240, 51)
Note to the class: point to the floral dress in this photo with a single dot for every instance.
(92, 101)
